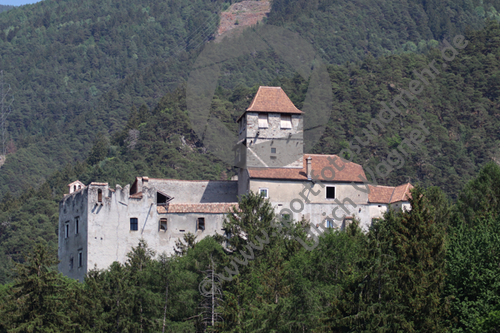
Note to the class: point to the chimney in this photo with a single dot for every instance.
(308, 168)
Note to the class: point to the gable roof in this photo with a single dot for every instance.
(389, 194)
(350, 172)
(402, 193)
(271, 99)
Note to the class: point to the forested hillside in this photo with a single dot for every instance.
(347, 30)
(100, 95)
(4, 8)
(460, 110)
(77, 67)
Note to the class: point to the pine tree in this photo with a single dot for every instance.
(38, 301)
(403, 287)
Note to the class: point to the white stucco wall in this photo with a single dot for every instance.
(105, 234)
(283, 192)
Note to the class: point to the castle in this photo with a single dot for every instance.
(99, 224)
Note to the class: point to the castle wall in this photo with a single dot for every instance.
(193, 191)
(105, 226)
(283, 193)
(71, 208)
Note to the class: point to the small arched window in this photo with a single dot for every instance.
(99, 195)
(74, 188)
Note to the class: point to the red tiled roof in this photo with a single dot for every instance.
(402, 193)
(389, 194)
(380, 194)
(209, 208)
(272, 99)
(350, 172)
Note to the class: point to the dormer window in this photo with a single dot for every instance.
(286, 121)
(263, 122)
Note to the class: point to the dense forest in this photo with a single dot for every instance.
(4, 8)
(461, 112)
(77, 67)
(100, 95)
(433, 269)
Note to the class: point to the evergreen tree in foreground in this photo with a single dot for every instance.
(41, 300)
(405, 269)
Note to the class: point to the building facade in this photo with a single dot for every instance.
(99, 224)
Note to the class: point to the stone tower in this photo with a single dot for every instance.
(270, 132)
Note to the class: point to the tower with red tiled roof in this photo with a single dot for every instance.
(270, 132)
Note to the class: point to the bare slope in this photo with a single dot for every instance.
(241, 15)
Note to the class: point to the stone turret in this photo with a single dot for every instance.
(270, 132)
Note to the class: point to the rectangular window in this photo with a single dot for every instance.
(200, 223)
(263, 123)
(330, 192)
(134, 224)
(330, 224)
(263, 192)
(163, 224)
(286, 121)
(80, 258)
(70, 263)
(273, 150)
(77, 225)
(66, 229)
(99, 195)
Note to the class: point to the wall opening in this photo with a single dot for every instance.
(134, 224)
(163, 224)
(80, 258)
(330, 192)
(77, 226)
(71, 263)
(162, 199)
(66, 229)
(99, 195)
(263, 192)
(200, 223)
